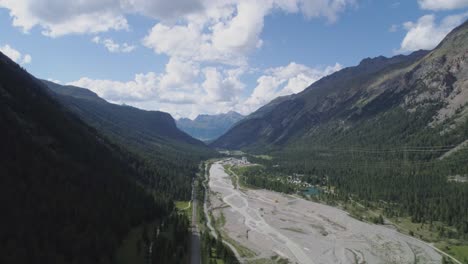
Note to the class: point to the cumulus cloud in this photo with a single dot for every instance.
(163, 9)
(177, 85)
(442, 4)
(226, 31)
(285, 80)
(58, 18)
(185, 89)
(15, 55)
(222, 86)
(182, 83)
(112, 46)
(327, 8)
(225, 34)
(143, 87)
(426, 33)
(208, 43)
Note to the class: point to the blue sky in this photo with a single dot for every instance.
(189, 57)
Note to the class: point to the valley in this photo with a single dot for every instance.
(275, 226)
(215, 152)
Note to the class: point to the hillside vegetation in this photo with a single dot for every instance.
(390, 131)
(152, 136)
(68, 194)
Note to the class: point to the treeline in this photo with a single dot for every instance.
(167, 157)
(214, 249)
(258, 176)
(418, 188)
(169, 240)
(392, 159)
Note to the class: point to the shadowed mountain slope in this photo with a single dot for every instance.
(68, 195)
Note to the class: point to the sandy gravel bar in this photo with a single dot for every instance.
(274, 224)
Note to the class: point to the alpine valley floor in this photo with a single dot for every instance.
(273, 225)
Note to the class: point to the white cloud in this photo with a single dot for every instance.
(208, 43)
(442, 4)
(285, 80)
(143, 87)
(179, 75)
(185, 89)
(27, 59)
(112, 46)
(15, 55)
(224, 34)
(227, 31)
(54, 80)
(183, 84)
(222, 86)
(327, 8)
(426, 33)
(58, 18)
(163, 9)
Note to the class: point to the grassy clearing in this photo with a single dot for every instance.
(227, 169)
(221, 221)
(265, 157)
(454, 247)
(362, 213)
(185, 207)
(426, 232)
(243, 251)
(459, 252)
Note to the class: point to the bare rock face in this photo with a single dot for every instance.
(442, 77)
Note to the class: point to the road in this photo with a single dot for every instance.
(195, 248)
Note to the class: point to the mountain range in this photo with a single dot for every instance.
(151, 135)
(391, 133)
(79, 173)
(209, 127)
(407, 99)
(68, 194)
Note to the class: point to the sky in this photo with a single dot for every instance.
(190, 57)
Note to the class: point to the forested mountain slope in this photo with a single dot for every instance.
(67, 195)
(151, 135)
(209, 127)
(390, 132)
(369, 104)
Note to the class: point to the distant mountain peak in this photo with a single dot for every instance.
(208, 127)
(122, 121)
